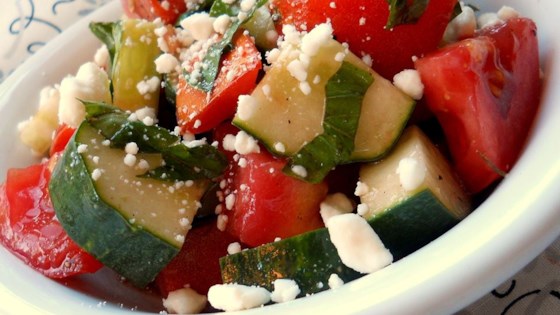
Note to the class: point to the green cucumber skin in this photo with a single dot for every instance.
(417, 223)
(310, 259)
(289, 258)
(132, 252)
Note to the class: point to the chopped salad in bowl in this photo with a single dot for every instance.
(225, 155)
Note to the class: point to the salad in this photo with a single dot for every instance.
(233, 154)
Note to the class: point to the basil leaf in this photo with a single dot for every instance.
(214, 54)
(344, 95)
(456, 10)
(405, 11)
(109, 33)
(181, 162)
(114, 124)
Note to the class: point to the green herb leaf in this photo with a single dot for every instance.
(109, 33)
(212, 59)
(344, 95)
(115, 125)
(456, 10)
(181, 162)
(405, 11)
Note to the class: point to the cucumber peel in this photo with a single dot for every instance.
(344, 95)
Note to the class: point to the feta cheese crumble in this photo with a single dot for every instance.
(335, 204)
(237, 297)
(90, 83)
(184, 301)
(335, 282)
(284, 290)
(412, 173)
(357, 244)
(410, 83)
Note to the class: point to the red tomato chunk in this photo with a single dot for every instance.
(485, 93)
(361, 24)
(29, 227)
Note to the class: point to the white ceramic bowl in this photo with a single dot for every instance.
(519, 220)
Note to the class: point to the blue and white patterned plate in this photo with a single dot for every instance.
(27, 25)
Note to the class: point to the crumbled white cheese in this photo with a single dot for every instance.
(236, 297)
(299, 170)
(101, 57)
(145, 112)
(361, 189)
(221, 222)
(284, 290)
(411, 173)
(184, 301)
(245, 144)
(335, 282)
(200, 25)
(335, 204)
(230, 201)
(91, 83)
(96, 174)
(166, 63)
(488, 19)
(247, 5)
(143, 165)
(131, 148)
(280, 147)
(149, 85)
(312, 42)
(234, 248)
(297, 69)
(228, 143)
(362, 209)
(358, 246)
(246, 106)
(221, 24)
(506, 13)
(410, 83)
(367, 60)
(462, 26)
(82, 148)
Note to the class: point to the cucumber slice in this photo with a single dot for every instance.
(131, 224)
(385, 113)
(136, 50)
(404, 223)
(285, 118)
(386, 185)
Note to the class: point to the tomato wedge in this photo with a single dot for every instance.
(198, 111)
(261, 202)
(197, 264)
(29, 227)
(485, 92)
(361, 24)
(169, 10)
(61, 138)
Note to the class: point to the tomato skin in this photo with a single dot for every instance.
(268, 204)
(61, 138)
(153, 9)
(272, 204)
(29, 228)
(361, 24)
(197, 264)
(199, 112)
(485, 93)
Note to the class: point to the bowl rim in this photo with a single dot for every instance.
(535, 180)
